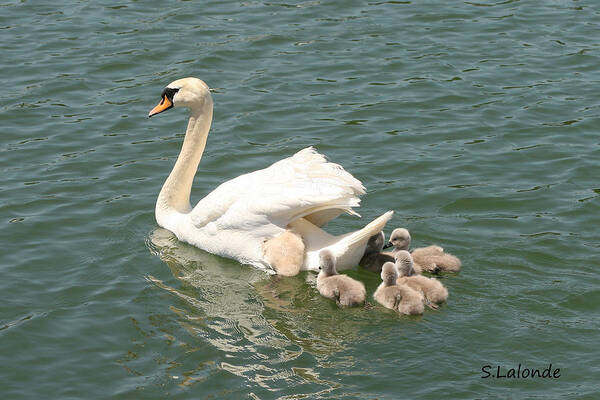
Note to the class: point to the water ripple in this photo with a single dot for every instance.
(475, 121)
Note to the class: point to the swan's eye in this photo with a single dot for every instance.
(169, 93)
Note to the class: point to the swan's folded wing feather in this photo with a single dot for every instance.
(299, 186)
(289, 202)
(284, 206)
(216, 203)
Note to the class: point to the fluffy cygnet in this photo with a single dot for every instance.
(343, 289)
(430, 258)
(432, 289)
(400, 298)
(373, 259)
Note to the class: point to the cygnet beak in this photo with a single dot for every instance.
(387, 245)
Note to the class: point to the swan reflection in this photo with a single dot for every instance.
(267, 327)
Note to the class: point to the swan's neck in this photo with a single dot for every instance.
(174, 196)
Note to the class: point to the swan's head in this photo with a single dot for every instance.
(187, 92)
(404, 263)
(327, 263)
(375, 243)
(400, 239)
(389, 273)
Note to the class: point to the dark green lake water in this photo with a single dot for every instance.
(477, 122)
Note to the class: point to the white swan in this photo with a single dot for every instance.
(266, 218)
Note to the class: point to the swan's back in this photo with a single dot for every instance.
(304, 185)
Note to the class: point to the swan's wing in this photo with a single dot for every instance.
(284, 203)
(304, 185)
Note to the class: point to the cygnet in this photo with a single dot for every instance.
(432, 289)
(400, 298)
(373, 259)
(431, 258)
(341, 288)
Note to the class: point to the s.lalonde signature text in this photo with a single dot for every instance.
(520, 372)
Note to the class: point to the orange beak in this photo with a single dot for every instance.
(164, 105)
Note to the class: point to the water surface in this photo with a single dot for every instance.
(477, 122)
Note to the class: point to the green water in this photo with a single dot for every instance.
(477, 122)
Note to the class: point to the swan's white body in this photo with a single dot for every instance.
(301, 193)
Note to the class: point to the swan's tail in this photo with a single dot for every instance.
(372, 228)
(350, 248)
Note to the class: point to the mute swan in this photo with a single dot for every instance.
(341, 288)
(373, 259)
(400, 298)
(269, 218)
(432, 289)
(430, 258)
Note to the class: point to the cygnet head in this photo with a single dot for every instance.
(375, 243)
(327, 263)
(187, 92)
(404, 263)
(400, 239)
(389, 275)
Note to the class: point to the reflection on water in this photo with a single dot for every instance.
(268, 328)
(275, 332)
